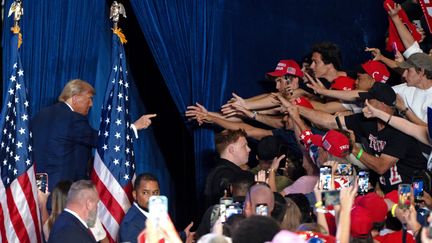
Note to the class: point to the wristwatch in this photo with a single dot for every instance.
(404, 111)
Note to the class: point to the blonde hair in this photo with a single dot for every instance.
(292, 217)
(74, 87)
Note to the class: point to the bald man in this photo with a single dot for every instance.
(258, 194)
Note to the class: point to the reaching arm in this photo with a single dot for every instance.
(379, 57)
(263, 101)
(379, 164)
(404, 33)
(273, 121)
(417, 131)
(329, 107)
(321, 118)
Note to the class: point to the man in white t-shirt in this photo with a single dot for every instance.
(416, 93)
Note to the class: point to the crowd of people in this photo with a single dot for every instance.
(341, 155)
(350, 150)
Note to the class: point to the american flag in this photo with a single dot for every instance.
(114, 164)
(19, 212)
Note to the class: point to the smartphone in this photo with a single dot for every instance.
(325, 177)
(233, 209)
(404, 196)
(42, 182)
(158, 208)
(363, 182)
(224, 202)
(330, 198)
(417, 23)
(261, 209)
(418, 188)
(395, 48)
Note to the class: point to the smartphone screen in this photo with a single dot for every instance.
(232, 209)
(158, 208)
(404, 196)
(418, 187)
(363, 182)
(261, 209)
(325, 177)
(330, 197)
(42, 182)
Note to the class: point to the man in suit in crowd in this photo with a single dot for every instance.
(72, 225)
(146, 185)
(63, 137)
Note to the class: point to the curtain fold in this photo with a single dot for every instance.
(184, 39)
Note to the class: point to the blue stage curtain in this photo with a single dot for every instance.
(64, 40)
(205, 49)
(185, 38)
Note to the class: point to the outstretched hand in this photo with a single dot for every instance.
(315, 84)
(144, 121)
(370, 111)
(199, 113)
(375, 52)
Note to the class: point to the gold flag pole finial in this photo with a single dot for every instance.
(17, 10)
(116, 10)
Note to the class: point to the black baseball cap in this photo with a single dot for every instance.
(381, 92)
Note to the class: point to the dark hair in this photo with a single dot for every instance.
(227, 137)
(427, 73)
(279, 208)
(268, 148)
(240, 185)
(256, 229)
(330, 53)
(232, 223)
(145, 177)
(304, 206)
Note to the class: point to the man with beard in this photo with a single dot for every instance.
(146, 185)
(72, 225)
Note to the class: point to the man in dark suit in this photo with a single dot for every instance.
(72, 225)
(63, 137)
(146, 185)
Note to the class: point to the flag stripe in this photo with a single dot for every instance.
(104, 175)
(16, 219)
(30, 202)
(110, 224)
(2, 228)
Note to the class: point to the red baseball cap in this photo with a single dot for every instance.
(302, 101)
(361, 222)
(393, 196)
(343, 83)
(375, 204)
(286, 67)
(333, 142)
(377, 70)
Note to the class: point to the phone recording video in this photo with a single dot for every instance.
(330, 198)
(363, 182)
(325, 177)
(158, 208)
(42, 182)
(404, 196)
(261, 209)
(418, 188)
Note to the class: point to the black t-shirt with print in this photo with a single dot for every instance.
(392, 142)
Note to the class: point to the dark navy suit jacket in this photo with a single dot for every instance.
(68, 229)
(132, 225)
(62, 143)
